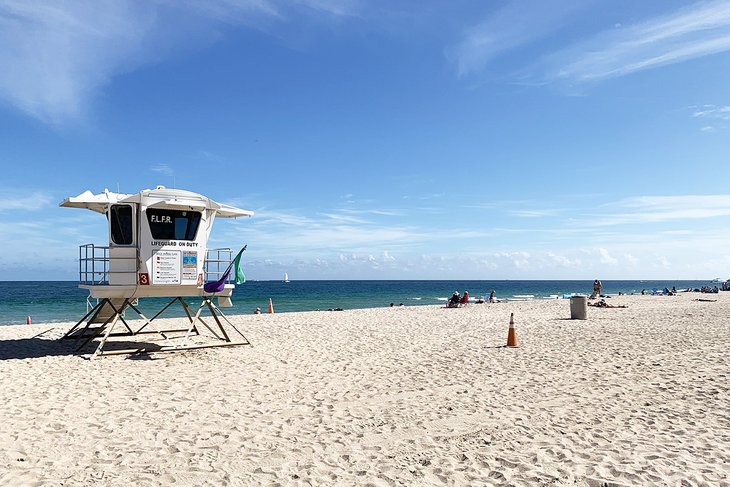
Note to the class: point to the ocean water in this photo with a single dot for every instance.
(56, 301)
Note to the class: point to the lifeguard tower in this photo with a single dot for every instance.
(158, 247)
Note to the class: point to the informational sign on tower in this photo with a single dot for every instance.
(166, 267)
(189, 267)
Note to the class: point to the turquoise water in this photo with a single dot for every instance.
(56, 301)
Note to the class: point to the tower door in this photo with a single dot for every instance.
(123, 258)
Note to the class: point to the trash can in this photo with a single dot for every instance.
(578, 308)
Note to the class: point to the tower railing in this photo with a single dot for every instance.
(94, 264)
(216, 263)
(94, 267)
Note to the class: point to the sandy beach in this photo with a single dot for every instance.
(393, 396)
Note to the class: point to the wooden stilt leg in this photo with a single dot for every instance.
(192, 324)
(200, 318)
(99, 330)
(126, 325)
(106, 330)
(148, 321)
(158, 314)
(117, 315)
(215, 317)
(96, 332)
(95, 308)
(139, 313)
(222, 315)
(187, 312)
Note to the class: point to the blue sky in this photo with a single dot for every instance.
(379, 139)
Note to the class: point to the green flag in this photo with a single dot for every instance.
(237, 269)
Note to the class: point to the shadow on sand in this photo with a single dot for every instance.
(37, 347)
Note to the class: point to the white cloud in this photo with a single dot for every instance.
(47, 247)
(56, 56)
(288, 232)
(534, 213)
(240, 11)
(163, 169)
(232, 11)
(652, 209)
(562, 260)
(336, 217)
(329, 238)
(268, 217)
(631, 261)
(605, 257)
(12, 200)
(712, 112)
(378, 212)
(519, 23)
(342, 243)
(717, 201)
(698, 30)
(663, 262)
(332, 7)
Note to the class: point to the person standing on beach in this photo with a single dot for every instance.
(596, 288)
(491, 297)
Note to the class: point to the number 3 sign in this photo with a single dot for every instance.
(144, 279)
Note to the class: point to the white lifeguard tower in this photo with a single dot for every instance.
(158, 247)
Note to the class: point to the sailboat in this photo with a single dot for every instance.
(286, 277)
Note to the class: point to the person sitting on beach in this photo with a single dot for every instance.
(257, 311)
(603, 304)
(464, 299)
(454, 300)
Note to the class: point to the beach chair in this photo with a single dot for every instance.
(220, 284)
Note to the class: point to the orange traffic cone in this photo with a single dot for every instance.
(271, 306)
(512, 335)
